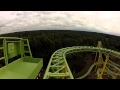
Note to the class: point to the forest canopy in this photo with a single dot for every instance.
(44, 43)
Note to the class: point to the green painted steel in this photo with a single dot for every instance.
(55, 65)
(22, 68)
(107, 70)
(25, 67)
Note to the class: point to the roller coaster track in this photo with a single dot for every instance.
(58, 67)
(98, 71)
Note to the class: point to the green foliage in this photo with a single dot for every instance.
(44, 42)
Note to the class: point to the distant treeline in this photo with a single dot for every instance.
(44, 43)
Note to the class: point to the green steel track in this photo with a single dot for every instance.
(27, 67)
(58, 67)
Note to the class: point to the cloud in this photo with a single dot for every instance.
(99, 21)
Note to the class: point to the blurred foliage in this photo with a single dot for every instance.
(44, 43)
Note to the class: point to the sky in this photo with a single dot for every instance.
(96, 21)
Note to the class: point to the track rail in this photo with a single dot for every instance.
(58, 67)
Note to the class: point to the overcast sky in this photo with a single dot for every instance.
(97, 21)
